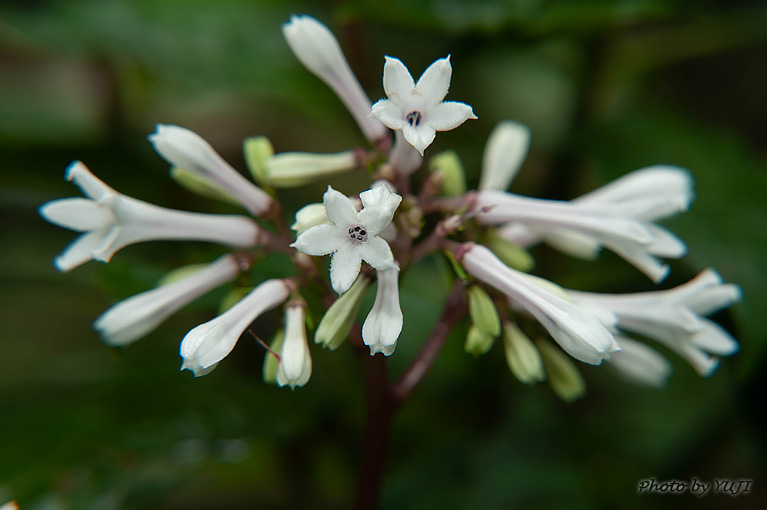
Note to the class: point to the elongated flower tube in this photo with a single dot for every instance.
(384, 322)
(644, 195)
(640, 363)
(404, 158)
(352, 236)
(618, 226)
(418, 109)
(576, 330)
(505, 151)
(137, 316)
(318, 50)
(292, 169)
(295, 366)
(207, 344)
(675, 317)
(186, 149)
(110, 221)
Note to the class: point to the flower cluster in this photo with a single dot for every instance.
(383, 227)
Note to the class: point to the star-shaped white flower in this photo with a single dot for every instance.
(418, 109)
(352, 236)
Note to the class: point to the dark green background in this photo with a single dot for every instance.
(606, 87)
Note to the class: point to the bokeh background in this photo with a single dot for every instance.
(606, 87)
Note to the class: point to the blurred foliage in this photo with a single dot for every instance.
(606, 86)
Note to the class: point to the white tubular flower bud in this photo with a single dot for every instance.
(309, 216)
(207, 344)
(295, 366)
(505, 151)
(318, 50)
(384, 322)
(578, 331)
(186, 149)
(291, 169)
(110, 221)
(137, 316)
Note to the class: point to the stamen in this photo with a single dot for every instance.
(414, 118)
(357, 234)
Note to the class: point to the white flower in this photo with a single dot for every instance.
(207, 344)
(504, 153)
(618, 216)
(576, 330)
(318, 49)
(186, 149)
(675, 317)
(136, 316)
(418, 109)
(384, 322)
(640, 363)
(295, 366)
(352, 236)
(110, 221)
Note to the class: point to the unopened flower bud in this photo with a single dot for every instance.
(454, 177)
(504, 153)
(477, 342)
(295, 361)
(564, 377)
(384, 322)
(335, 325)
(523, 358)
(271, 362)
(482, 311)
(186, 149)
(509, 252)
(318, 49)
(309, 216)
(257, 151)
(291, 169)
(201, 186)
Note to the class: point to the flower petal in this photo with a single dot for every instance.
(377, 253)
(420, 137)
(397, 81)
(91, 186)
(320, 240)
(79, 214)
(379, 204)
(345, 266)
(641, 363)
(340, 209)
(435, 81)
(388, 113)
(80, 251)
(449, 115)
